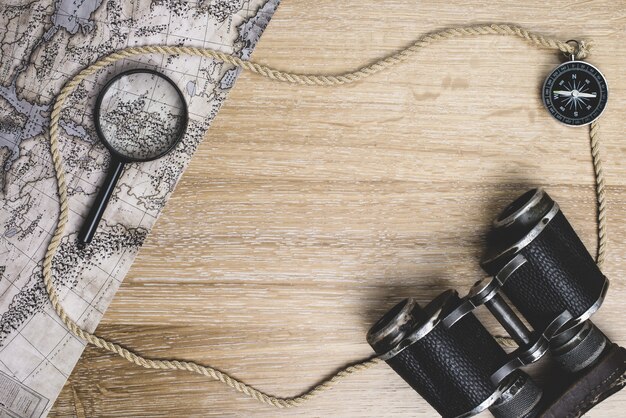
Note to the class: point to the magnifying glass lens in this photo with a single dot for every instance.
(141, 116)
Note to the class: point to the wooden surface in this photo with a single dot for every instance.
(307, 212)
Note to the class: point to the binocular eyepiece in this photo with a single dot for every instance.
(537, 263)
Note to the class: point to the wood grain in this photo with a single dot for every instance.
(307, 212)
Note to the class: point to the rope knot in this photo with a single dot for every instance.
(583, 49)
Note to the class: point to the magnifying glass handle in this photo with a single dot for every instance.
(95, 214)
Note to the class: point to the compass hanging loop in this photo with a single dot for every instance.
(572, 55)
(579, 49)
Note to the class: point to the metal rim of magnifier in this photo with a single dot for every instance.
(181, 130)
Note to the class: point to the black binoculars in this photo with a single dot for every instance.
(537, 262)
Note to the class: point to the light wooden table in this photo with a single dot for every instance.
(307, 212)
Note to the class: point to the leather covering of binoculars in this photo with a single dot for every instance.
(575, 281)
(451, 368)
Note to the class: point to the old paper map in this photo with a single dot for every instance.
(42, 44)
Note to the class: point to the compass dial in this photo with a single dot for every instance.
(575, 93)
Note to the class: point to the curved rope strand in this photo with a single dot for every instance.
(594, 142)
(293, 78)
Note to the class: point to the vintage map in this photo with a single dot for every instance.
(42, 44)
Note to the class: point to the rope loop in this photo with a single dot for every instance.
(294, 78)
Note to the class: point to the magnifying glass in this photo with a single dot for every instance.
(140, 115)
